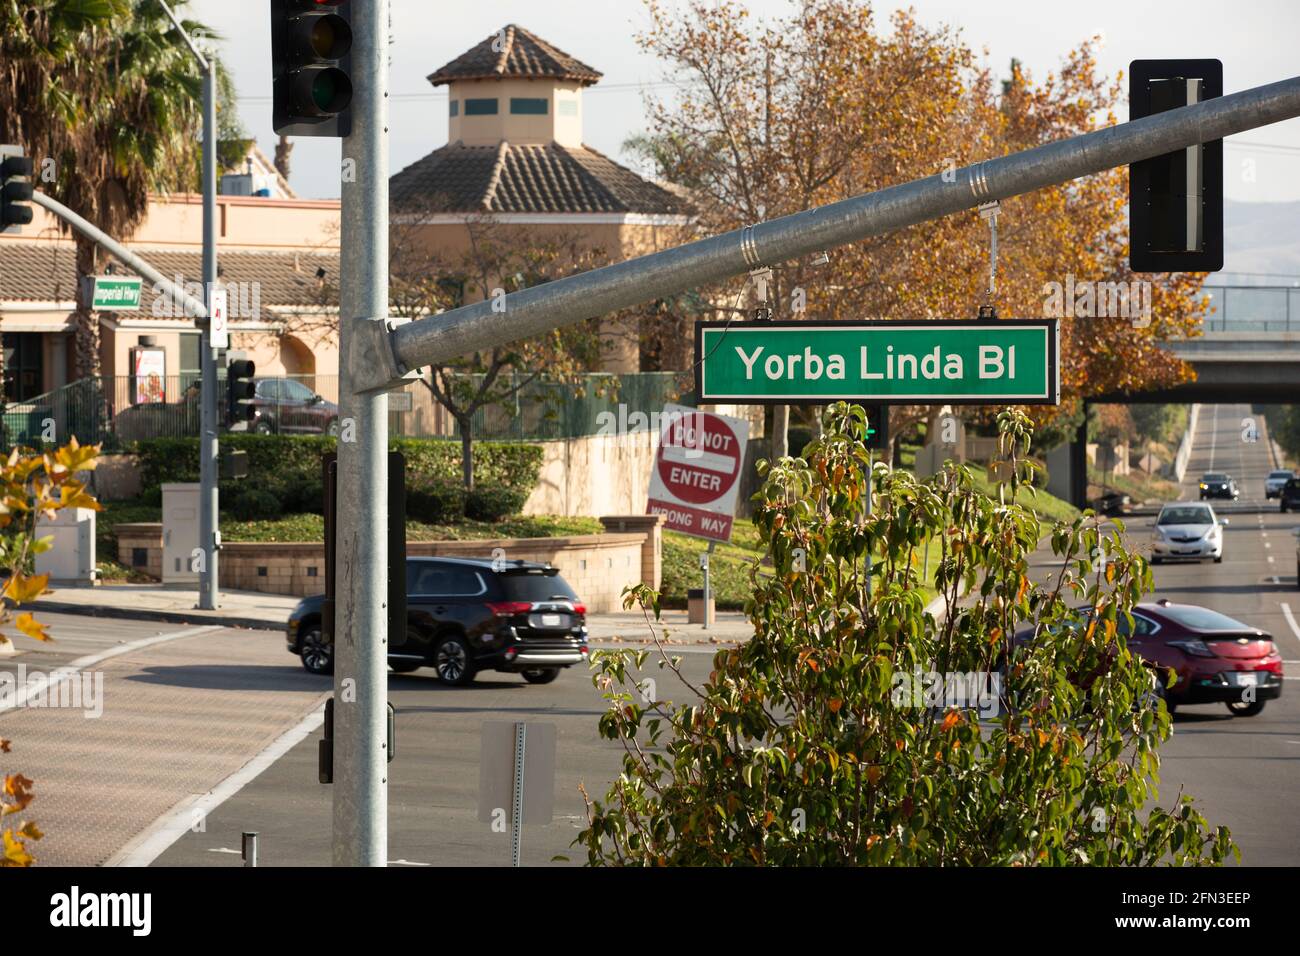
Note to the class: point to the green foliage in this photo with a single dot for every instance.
(436, 501)
(288, 467)
(1159, 423)
(798, 748)
(494, 502)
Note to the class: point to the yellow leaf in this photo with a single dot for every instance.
(15, 853)
(31, 831)
(951, 720)
(835, 705)
(32, 627)
(23, 589)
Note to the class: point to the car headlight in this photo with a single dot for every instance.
(1204, 486)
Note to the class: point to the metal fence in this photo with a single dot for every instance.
(116, 410)
(1241, 308)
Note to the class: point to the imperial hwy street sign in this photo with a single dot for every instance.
(978, 362)
(115, 293)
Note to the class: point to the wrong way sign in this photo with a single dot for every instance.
(696, 474)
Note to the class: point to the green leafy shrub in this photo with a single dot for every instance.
(800, 748)
(494, 502)
(436, 501)
(251, 503)
(289, 467)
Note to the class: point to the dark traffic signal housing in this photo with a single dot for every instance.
(15, 188)
(1176, 200)
(240, 389)
(311, 67)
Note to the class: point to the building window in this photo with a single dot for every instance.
(455, 107)
(527, 106)
(481, 107)
(567, 107)
(24, 366)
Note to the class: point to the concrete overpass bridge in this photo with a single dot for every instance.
(1248, 353)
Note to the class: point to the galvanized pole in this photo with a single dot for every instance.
(208, 451)
(209, 541)
(539, 309)
(361, 536)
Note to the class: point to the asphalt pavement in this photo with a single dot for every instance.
(210, 731)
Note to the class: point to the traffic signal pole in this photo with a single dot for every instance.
(361, 536)
(208, 422)
(534, 311)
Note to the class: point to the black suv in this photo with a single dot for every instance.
(468, 615)
(1218, 485)
(1289, 496)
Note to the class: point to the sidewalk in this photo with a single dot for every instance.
(253, 609)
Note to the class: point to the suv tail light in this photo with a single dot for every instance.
(580, 609)
(509, 608)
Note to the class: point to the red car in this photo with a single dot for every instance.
(283, 406)
(1216, 659)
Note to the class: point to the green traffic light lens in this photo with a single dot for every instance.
(331, 91)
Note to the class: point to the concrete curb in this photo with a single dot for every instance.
(166, 617)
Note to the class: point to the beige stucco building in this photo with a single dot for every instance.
(277, 256)
(515, 160)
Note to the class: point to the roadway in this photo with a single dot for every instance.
(208, 732)
(1244, 771)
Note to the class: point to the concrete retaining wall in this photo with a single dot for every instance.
(598, 566)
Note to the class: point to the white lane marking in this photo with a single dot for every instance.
(1290, 619)
(1268, 544)
(57, 675)
(148, 845)
(1274, 580)
(1270, 559)
(1214, 434)
(225, 849)
(407, 863)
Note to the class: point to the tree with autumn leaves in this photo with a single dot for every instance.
(771, 117)
(32, 485)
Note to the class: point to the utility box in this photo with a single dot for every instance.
(180, 514)
(71, 561)
(697, 611)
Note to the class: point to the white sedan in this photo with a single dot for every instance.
(1187, 531)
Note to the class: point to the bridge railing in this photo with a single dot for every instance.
(1253, 308)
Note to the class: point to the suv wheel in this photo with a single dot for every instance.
(452, 661)
(541, 675)
(332, 427)
(263, 427)
(317, 655)
(1242, 709)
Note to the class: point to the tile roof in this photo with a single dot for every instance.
(514, 52)
(46, 272)
(534, 178)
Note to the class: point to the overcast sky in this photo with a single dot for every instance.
(1256, 39)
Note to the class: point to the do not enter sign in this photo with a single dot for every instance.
(696, 474)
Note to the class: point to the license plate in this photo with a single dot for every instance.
(550, 620)
(1247, 680)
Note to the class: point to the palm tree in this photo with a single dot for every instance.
(108, 92)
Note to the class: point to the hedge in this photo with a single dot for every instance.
(286, 469)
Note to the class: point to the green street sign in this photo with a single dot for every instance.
(940, 361)
(116, 293)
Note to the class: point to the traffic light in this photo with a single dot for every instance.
(877, 427)
(310, 67)
(1176, 200)
(239, 391)
(15, 188)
